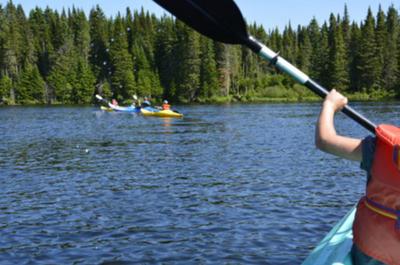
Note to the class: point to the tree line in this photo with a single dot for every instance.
(51, 57)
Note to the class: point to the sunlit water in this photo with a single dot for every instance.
(236, 184)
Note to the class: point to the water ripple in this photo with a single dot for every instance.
(234, 184)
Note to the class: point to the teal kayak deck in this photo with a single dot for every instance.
(336, 246)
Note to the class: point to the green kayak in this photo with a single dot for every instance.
(336, 246)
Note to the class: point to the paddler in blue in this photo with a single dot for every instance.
(376, 240)
(146, 102)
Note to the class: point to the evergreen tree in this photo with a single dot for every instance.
(337, 65)
(345, 26)
(208, 70)
(3, 38)
(99, 50)
(165, 59)
(305, 50)
(391, 60)
(317, 47)
(223, 68)
(42, 42)
(369, 62)
(381, 40)
(80, 31)
(5, 87)
(83, 85)
(354, 58)
(12, 48)
(30, 87)
(289, 48)
(189, 68)
(322, 55)
(62, 74)
(122, 80)
(142, 70)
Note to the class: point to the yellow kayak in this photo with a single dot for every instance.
(106, 108)
(148, 111)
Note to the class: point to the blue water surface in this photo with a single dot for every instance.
(230, 184)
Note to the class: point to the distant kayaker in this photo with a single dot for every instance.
(146, 102)
(376, 227)
(114, 102)
(165, 105)
(136, 102)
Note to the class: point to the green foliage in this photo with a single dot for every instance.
(62, 74)
(5, 87)
(369, 63)
(82, 87)
(123, 82)
(30, 86)
(337, 66)
(67, 57)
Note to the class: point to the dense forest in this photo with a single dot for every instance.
(51, 57)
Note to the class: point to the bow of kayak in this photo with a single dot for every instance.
(106, 108)
(160, 113)
(120, 109)
(335, 248)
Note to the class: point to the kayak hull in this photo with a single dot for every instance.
(160, 113)
(335, 248)
(120, 109)
(106, 108)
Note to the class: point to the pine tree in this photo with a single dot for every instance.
(142, 71)
(322, 57)
(208, 70)
(354, 58)
(12, 47)
(83, 85)
(289, 49)
(223, 68)
(381, 41)
(369, 62)
(122, 80)
(165, 59)
(79, 27)
(337, 66)
(189, 68)
(42, 42)
(305, 50)
(391, 60)
(345, 26)
(62, 74)
(99, 50)
(5, 87)
(30, 86)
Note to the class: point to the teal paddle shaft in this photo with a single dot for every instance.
(303, 79)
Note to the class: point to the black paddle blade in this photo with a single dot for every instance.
(220, 20)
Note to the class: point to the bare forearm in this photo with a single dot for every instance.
(329, 141)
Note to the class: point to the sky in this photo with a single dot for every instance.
(270, 14)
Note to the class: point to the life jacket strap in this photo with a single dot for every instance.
(383, 210)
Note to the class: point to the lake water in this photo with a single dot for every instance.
(234, 184)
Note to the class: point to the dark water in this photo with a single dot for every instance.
(239, 184)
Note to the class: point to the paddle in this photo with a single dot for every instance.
(102, 99)
(222, 21)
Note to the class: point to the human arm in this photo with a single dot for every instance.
(326, 138)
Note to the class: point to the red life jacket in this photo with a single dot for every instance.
(376, 226)
(166, 106)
